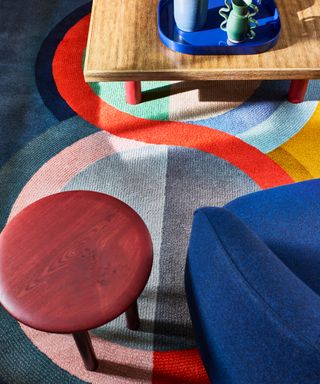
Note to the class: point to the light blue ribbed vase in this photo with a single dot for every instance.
(190, 15)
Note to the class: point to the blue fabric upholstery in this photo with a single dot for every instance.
(252, 283)
(287, 219)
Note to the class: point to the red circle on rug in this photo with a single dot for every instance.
(68, 75)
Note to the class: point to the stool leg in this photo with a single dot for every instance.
(133, 92)
(86, 350)
(297, 91)
(132, 317)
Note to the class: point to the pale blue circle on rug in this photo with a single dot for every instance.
(284, 123)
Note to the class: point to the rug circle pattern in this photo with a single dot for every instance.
(163, 162)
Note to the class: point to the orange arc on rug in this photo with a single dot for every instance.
(178, 367)
(68, 75)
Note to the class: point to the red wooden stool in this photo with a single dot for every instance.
(74, 261)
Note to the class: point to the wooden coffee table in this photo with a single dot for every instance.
(123, 44)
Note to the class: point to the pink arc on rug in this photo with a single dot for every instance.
(123, 365)
(65, 165)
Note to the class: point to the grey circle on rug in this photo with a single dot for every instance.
(164, 185)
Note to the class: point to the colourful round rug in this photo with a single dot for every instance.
(187, 145)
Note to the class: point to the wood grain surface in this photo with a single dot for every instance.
(123, 44)
(73, 261)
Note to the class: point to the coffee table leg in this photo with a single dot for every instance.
(86, 350)
(133, 92)
(132, 316)
(297, 91)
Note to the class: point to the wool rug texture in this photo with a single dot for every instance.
(187, 145)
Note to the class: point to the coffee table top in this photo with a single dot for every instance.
(73, 261)
(123, 44)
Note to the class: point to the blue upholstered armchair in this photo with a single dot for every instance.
(253, 287)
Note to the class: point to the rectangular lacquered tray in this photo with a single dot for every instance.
(211, 40)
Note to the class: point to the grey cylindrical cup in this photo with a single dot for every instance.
(190, 15)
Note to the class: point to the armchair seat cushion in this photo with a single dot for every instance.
(287, 219)
(252, 291)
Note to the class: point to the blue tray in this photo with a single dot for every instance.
(211, 40)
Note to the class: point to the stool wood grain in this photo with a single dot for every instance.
(74, 261)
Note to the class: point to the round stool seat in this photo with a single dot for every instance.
(73, 261)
